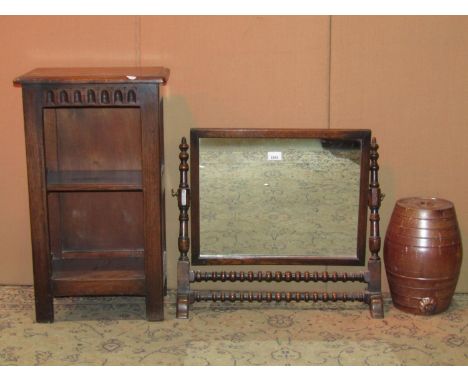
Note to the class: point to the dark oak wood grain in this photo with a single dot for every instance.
(94, 144)
(38, 205)
(95, 75)
(151, 169)
(114, 180)
(98, 276)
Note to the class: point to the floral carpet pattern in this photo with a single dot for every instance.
(113, 331)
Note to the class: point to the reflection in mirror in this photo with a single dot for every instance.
(279, 197)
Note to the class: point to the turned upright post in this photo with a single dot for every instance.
(183, 265)
(374, 291)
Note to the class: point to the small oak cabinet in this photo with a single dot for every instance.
(95, 160)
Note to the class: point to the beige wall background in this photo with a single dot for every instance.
(403, 77)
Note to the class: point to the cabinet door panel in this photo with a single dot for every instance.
(101, 221)
(91, 139)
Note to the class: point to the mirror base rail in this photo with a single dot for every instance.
(252, 296)
(249, 276)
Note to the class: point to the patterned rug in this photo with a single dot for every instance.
(113, 331)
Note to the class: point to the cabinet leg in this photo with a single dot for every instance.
(156, 315)
(376, 306)
(45, 311)
(155, 308)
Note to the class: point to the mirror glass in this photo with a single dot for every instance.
(279, 197)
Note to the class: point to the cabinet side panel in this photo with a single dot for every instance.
(151, 169)
(163, 192)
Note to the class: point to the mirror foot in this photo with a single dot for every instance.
(182, 310)
(376, 306)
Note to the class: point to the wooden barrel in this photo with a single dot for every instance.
(423, 254)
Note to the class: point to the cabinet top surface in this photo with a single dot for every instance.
(155, 74)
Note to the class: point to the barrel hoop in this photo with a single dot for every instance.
(390, 242)
(421, 278)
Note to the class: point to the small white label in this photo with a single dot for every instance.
(131, 77)
(183, 197)
(275, 155)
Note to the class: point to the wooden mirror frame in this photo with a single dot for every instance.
(362, 136)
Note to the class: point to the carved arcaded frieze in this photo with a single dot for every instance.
(91, 96)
